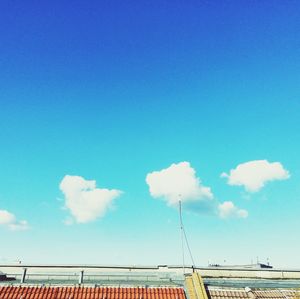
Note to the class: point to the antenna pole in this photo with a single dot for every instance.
(181, 235)
(184, 238)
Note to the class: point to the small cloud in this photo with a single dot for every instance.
(179, 182)
(253, 175)
(68, 221)
(201, 207)
(227, 209)
(10, 221)
(85, 201)
(6, 217)
(20, 225)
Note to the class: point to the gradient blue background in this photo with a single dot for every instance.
(112, 90)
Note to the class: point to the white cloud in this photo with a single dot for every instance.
(68, 221)
(85, 201)
(6, 217)
(178, 181)
(227, 209)
(19, 225)
(9, 220)
(254, 174)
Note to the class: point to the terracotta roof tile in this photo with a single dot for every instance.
(272, 294)
(15, 292)
(222, 293)
(259, 294)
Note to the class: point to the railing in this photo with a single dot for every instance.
(96, 279)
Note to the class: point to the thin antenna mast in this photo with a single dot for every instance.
(184, 238)
(181, 235)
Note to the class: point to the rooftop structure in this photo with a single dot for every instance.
(137, 282)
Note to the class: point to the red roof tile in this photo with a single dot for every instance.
(216, 294)
(14, 292)
(259, 294)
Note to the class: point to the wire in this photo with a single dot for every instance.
(188, 246)
(184, 238)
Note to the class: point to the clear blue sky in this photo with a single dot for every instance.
(113, 90)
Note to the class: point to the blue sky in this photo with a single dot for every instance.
(111, 91)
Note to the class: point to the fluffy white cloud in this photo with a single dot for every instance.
(227, 209)
(9, 220)
(85, 201)
(254, 174)
(178, 181)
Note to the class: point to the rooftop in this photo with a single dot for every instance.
(138, 282)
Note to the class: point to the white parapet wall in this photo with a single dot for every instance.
(249, 273)
(161, 271)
